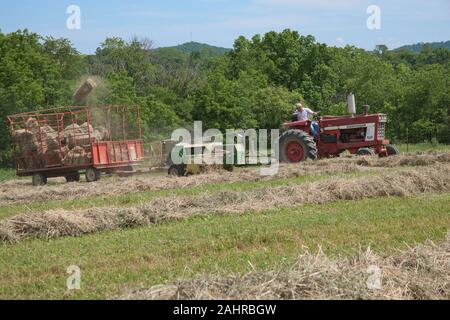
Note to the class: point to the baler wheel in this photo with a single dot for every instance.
(296, 146)
(177, 170)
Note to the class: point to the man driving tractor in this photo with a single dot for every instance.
(362, 134)
(302, 114)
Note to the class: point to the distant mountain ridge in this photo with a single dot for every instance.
(418, 46)
(192, 47)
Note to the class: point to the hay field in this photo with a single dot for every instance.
(20, 191)
(416, 273)
(235, 235)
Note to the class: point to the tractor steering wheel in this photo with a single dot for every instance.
(317, 116)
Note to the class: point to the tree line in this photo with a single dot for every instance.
(254, 85)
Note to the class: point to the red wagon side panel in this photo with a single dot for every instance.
(117, 153)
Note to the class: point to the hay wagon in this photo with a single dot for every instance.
(62, 142)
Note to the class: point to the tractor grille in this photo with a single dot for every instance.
(381, 131)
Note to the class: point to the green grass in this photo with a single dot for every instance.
(112, 262)
(7, 174)
(422, 147)
(136, 198)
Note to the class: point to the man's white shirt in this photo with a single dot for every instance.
(304, 115)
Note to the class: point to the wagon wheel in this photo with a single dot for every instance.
(39, 179)
(73, 177)
(92, 174)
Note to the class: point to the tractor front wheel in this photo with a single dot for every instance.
(296, 146)
(365, 152)
(392, 150)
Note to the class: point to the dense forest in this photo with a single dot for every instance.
(204, 48)
(254, 85)
(419, 46)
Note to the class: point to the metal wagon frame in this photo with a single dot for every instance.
(119, 149)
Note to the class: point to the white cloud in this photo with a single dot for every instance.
(340, 42)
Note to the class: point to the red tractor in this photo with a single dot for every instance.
(359, 134)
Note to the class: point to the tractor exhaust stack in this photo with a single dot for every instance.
(351, 104)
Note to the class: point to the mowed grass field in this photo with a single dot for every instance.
(115, 262)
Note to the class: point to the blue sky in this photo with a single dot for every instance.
(219, 22)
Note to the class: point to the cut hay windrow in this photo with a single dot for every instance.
(418, 273)
(20, 191)
(57, 223)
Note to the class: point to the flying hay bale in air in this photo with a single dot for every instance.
(84, 90)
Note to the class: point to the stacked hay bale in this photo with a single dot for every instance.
(77, 157)
(80, 135)
(76, 137)
(26, 148)
(44, 137)
(38, 144)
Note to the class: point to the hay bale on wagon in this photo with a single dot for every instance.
(80, 135)
(37, 137)
(70, 133)
(32, 125)
(50, 138)
(76, 135)
(25, 139)
(52, 158)
(87, 128)
(77, 157)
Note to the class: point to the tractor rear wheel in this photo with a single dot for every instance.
(365, 152)
(392, 150)
(296, 146)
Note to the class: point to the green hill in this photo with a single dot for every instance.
(190, 47)
(418, 46)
